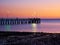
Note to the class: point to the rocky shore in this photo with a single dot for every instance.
(29, 38)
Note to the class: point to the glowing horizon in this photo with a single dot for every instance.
(30, 8)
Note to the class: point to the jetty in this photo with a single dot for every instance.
(14, 21)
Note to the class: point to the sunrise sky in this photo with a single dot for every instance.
(30, 8)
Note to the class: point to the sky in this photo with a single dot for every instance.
(29, 8)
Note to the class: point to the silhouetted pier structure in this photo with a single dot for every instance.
(10, 21)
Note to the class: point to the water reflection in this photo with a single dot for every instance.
(34, 27)
(7, 27)
(53, 27)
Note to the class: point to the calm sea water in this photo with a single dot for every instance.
(45, 26)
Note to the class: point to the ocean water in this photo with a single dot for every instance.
(46, 25)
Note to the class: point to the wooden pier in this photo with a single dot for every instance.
(10, 21)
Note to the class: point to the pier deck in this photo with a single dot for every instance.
(4, 21)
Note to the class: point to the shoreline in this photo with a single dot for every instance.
(8, 33)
